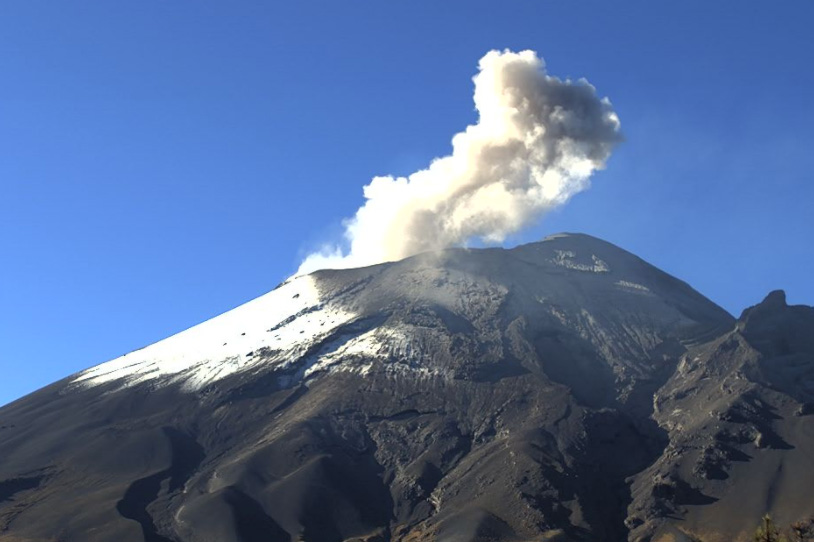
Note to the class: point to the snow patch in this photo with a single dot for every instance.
(568, 259)
(283, 323)
(364, 346)
(554, 236)
(632, 285)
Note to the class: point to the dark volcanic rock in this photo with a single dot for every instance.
(562, 390)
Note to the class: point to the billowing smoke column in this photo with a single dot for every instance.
(537, 141)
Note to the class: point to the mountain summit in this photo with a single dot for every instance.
(561, 390)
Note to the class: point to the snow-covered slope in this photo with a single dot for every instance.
(281, 324)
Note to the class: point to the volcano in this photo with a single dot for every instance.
(561, 390)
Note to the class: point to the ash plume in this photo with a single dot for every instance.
(536, 143)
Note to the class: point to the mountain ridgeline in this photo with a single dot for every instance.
(564, 390)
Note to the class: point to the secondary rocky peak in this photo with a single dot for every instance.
(777, 328)
(775, 299)
(773, 304)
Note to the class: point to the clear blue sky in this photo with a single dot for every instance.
(163, 162)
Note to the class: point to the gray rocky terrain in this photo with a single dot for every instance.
(561, 390)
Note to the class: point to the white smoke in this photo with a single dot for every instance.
(537, 141)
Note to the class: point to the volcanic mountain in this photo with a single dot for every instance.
(561, 390)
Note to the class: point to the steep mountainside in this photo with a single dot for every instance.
(741, 436)
(562, 390)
